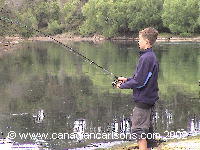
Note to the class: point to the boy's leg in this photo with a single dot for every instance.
(140, 125)
(151, 142)
(142, 143)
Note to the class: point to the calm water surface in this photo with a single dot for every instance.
(48, 94)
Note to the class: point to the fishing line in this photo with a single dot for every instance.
(8, 20)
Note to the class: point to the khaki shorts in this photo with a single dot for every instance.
(142, 123)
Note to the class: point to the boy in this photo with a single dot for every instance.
(145, 87)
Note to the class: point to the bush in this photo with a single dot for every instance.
(110, 18)
(54, 27)
(28, 19)
(181, 16)
(186, 34)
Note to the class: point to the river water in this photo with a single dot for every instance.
(50, 97)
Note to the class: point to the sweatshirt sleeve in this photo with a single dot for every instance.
(141, 77)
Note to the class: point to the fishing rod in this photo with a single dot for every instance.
(8, 20)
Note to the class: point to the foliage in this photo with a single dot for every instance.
(54, 11)
(72, 14)
(70, 9)
(1, 23)
(180, 16)
(199, 14)
(30, 21)
(102, 16)
(42, 14)
(90, 25)
(185, 34)
(144, 13)
(54, 27)
(110, 17)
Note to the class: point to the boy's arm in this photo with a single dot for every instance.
(141, 77)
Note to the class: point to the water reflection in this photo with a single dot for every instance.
(46, 90)
(125, 126)
(79, 128)
(194, 127)
(169, 118)
(39, 117)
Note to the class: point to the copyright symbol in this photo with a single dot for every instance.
(12, 135)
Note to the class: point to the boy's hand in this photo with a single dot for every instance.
(123, 79)
(118, 84)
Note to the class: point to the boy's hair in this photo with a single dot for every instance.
(149, 34)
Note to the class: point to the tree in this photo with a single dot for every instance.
(90, 24)
(199, 16)
(46, 12)
(54, 27)
(2, 24)
(144, 13)
(180, 16)
(112, 17)
(54, 11)
(42, 14)
(7, 15)
(105, 17)
(72, 14)
(119, 15)
(28, 19)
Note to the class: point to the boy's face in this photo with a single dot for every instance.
(143, 43)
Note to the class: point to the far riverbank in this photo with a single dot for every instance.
(9, 43)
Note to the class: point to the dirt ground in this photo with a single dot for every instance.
(190, 143)
(9, 44)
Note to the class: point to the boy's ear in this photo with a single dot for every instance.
(147, 41)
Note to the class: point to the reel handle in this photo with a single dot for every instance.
(116, 81)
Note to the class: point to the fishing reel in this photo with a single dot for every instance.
(116, 81)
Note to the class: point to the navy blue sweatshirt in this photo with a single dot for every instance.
(144, 80)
